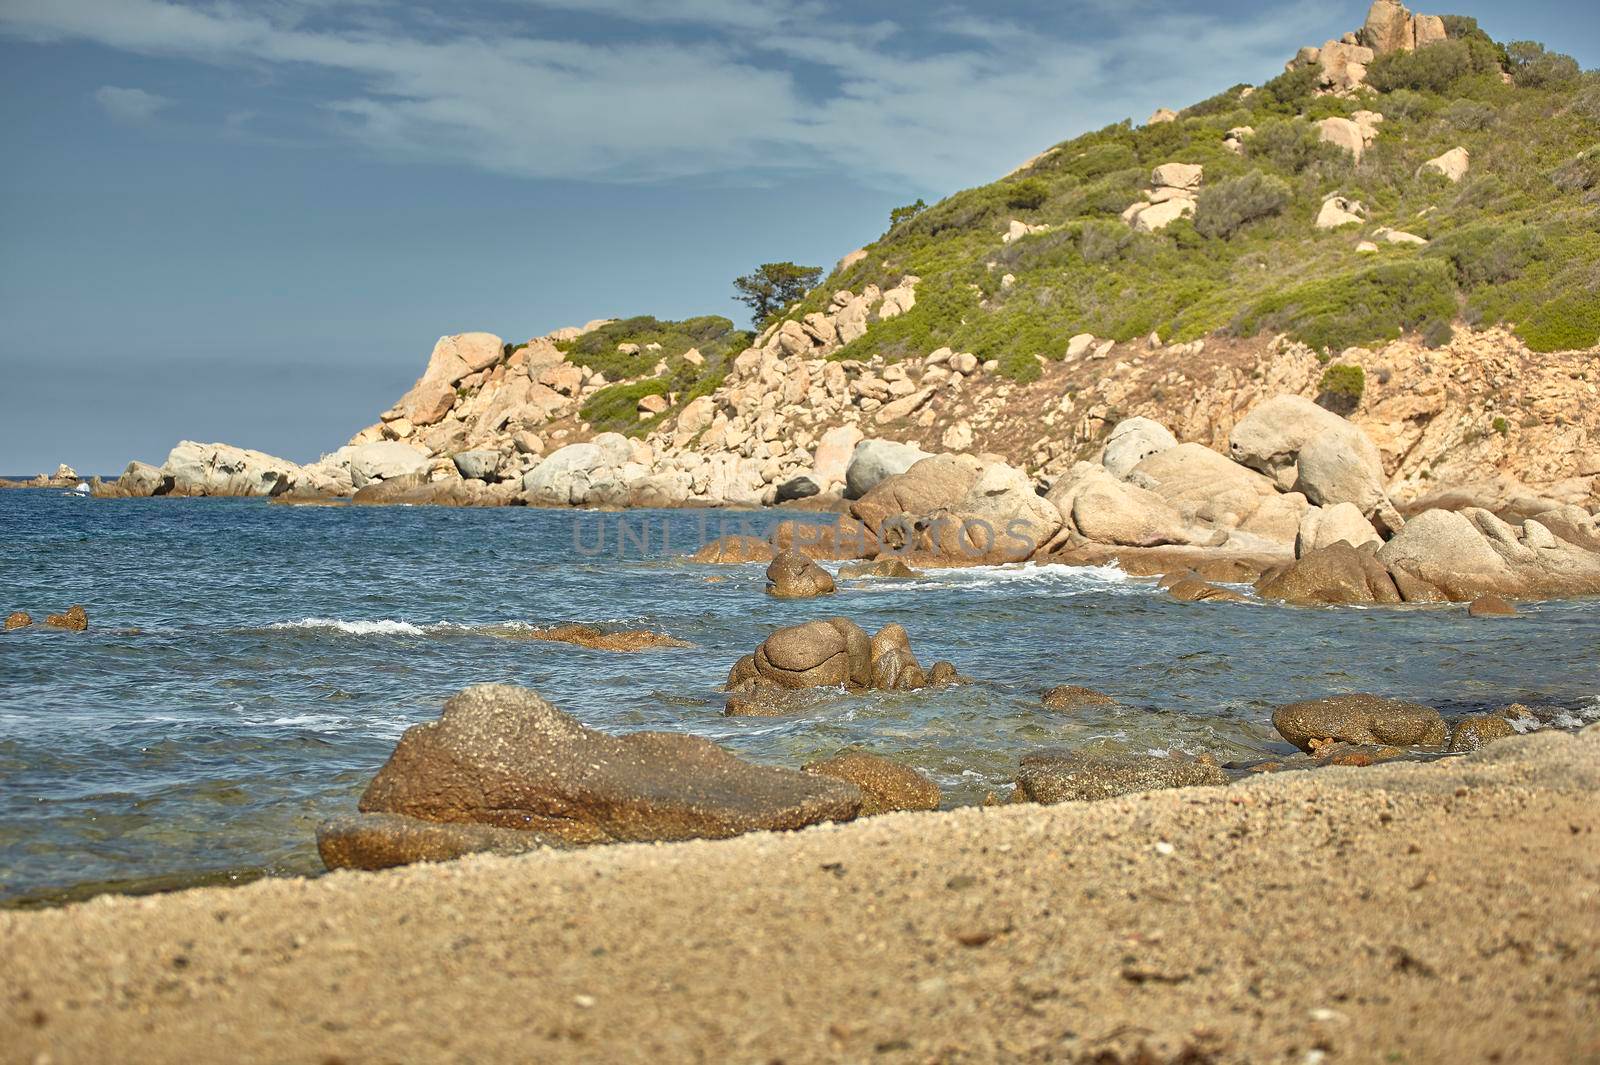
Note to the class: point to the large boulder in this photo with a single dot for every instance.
(139, 480)
(1335, 574)
(874, 461)
(504, 757)
(383, 460)
(1053, 776)
(834, 453)
(565, 476)
(1341, 465)
(794, 576)
(1452, 165)
(1313, 451)
(453, 358)
(1103, 509)
(481, 464)
(816, 654)
(1003, 498)
(1132, 441)
(194, 469)
(1209, 489)
(1325, 526)
(1269, 438)
(1389, 28)
(383, 841)
(1359, 719)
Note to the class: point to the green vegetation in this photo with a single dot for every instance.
(1342, 387)
(910, 210)
(773, 287)
(1516, 242)
(1501, 426)
(615, 407)
(1228, 206)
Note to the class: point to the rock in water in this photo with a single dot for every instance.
(1369, 720)
(382, 841)
(76, 619)
(794, 576)
(502, 756)
(1491, 606)
(18, 619)
(882, 569)
(888, 786)
(1073, 776)
(1072, 697)
(734, 550)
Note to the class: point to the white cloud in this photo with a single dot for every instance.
(129, 105)
(696, 87)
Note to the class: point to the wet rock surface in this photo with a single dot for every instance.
(1074, 697)
(1360, 719)
(794, 576)
(887, 785)
(504, 757)
(1075, 776)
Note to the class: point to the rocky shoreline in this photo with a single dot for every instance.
(1364, 914)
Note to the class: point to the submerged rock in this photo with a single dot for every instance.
(1491, 606)
(735, 550)
(595, 638)
(1074, 776)
(794, 576)
(504, 757)
(1073, 697)
(882, 569)
(382, 841)
(1368, 720)
(888, 786)
(76, 619)
(1198, 591)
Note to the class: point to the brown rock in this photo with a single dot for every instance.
(1072, 697)
(1335, 752)
(888, 786)
(759, 698)
(816, 654)
(882, 569)
(76, 619)
(17, 620)
(1367, 720)
(735, 550)
(1198, 591)
(1073, 776)
(1491, 606)
(942, 673)
(1335, 574)
(382, 841)
(503, 756)
(794, 576)
(594, 638)
(1473, 732)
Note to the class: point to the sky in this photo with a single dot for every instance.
(249, 221)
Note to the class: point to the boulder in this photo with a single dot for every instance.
(383, 460)
(1270, 436)
(1068, 697)
(1473, 732)
(1161, 115)
(1452, 165)
(1491, 606)
(1186, 176)
(874, 461)
(735, 550)
(1132, 441)
(887, 786)
(1389, 28)
(1053, 776)
(1192, 590)
(1325, 526)
(1341, 464)
(194, 469)
(796, 488)
(453, 358)
(1360, 719)
(1335, 574)
(816, 654)
(834, 452)
(1003, 498)
(1446, 550)
(927, 487)
(480, 465)
(17, 619)
(73, 619)
(592, 637)
(138, 480)
(1337, 211)
(504, 757)
(1208, 488)
(564, 477)
(1109, 511)
(1158, 216)
(1343, 133)
(794, 576)
(882, 569)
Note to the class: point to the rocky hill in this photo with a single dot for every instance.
(1404, 226)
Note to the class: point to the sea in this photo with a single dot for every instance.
(249, 666)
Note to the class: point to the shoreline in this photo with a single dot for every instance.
(1359, 913)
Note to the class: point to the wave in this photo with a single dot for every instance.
(1075, 578)
(380, 627)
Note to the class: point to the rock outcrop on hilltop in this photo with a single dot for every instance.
(1390, 27)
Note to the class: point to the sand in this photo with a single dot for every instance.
(1401, 913)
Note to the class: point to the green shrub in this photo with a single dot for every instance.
(1470, 116)
(1569, 322)
(1020, 366)
(1228, 206)
(713, 335)
(1220, 104)
(1288, 93)
(1103, 242)
(1376, 304)
(1294, 145)
(615, 408)
(1027, 194)
(1580, 174)
(1501, 426)
(1435, 68)
(1102, 159)
(1342, 387)
(906, 213)
(1587, 102)
(1490, 254)
(1532, 67)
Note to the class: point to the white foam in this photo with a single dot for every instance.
(380, 627)
(1071, 578)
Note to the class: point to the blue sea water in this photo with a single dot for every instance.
(249, 666)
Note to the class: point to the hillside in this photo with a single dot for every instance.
(1404, 226)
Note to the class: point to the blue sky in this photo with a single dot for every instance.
(249, 221)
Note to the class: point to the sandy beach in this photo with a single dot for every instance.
(1399, 913)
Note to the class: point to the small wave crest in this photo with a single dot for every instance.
(1081, 578)
(380, 627)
